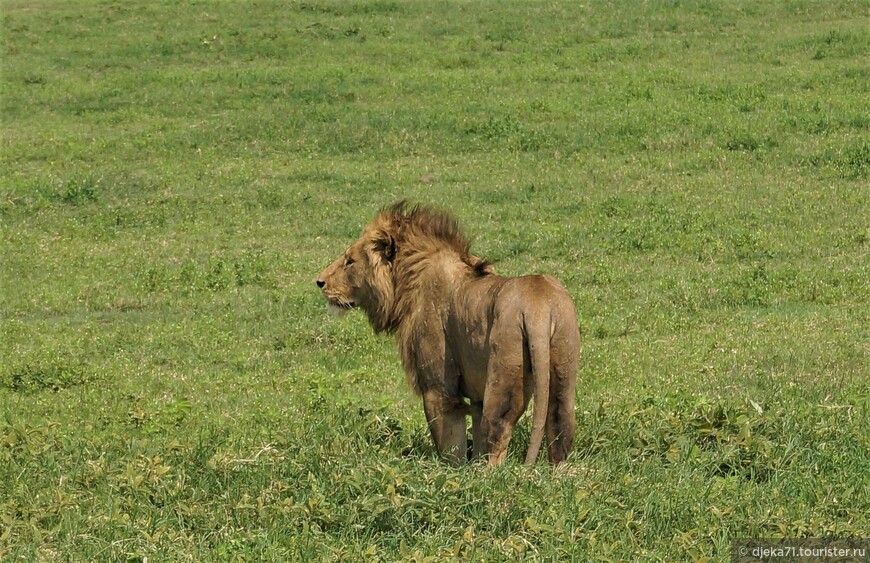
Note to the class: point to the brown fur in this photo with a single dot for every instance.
(464, 333)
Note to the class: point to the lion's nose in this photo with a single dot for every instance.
(320, 283)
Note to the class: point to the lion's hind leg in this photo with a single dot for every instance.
(504, 401)
(560, 430)
(561, 421)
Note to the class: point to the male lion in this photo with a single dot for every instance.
(464, 332)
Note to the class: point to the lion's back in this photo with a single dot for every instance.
(538, 292)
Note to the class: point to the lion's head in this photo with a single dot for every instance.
(362, 277)
(391, 249)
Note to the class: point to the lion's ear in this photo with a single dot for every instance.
(385, 245)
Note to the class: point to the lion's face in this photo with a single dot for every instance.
(361, 277)
(344, 281)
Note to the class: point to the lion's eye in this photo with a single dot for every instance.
(348, 262)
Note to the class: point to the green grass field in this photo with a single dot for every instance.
(175, 174)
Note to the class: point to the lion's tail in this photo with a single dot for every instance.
(538, 337)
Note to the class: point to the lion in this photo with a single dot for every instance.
(472, 342)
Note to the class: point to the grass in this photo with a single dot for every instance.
(175, 174)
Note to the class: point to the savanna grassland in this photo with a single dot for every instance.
(174, 175)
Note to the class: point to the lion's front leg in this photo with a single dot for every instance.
(446, 419)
